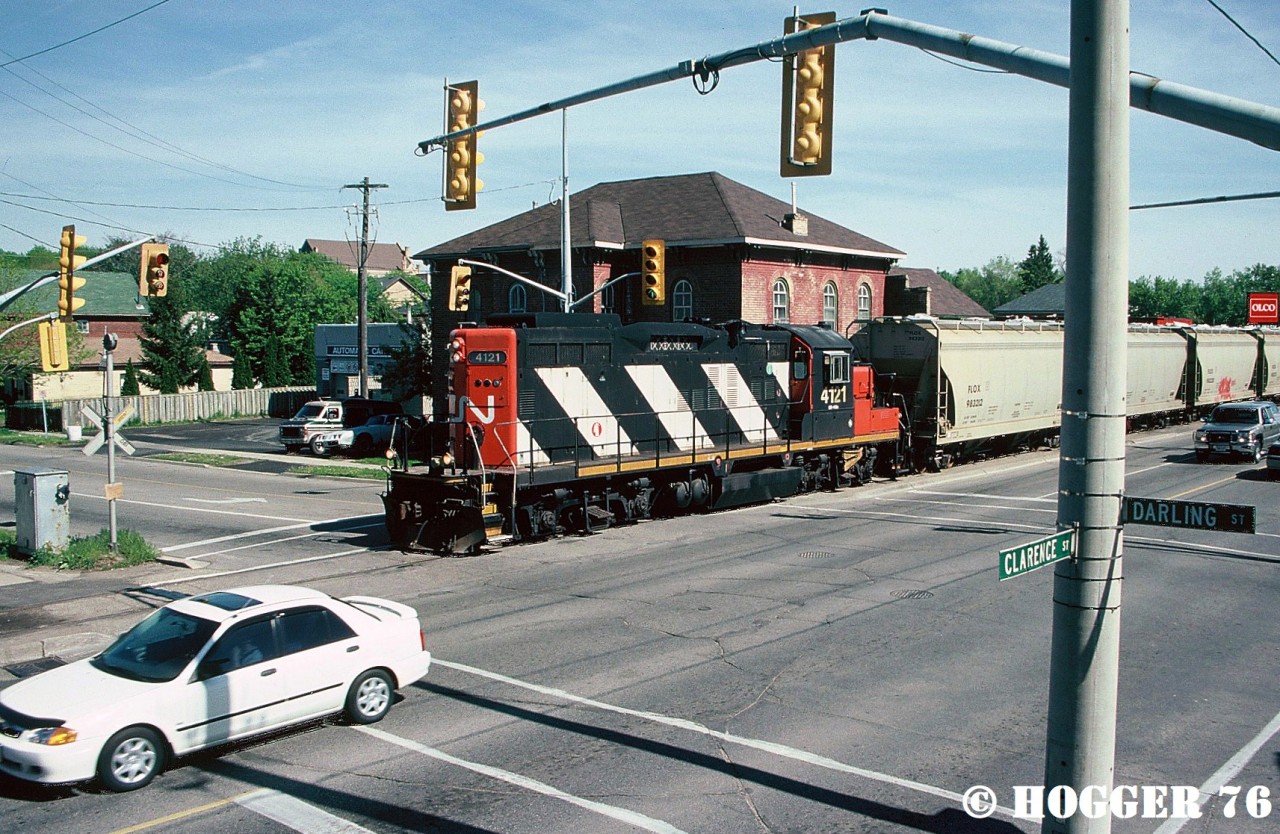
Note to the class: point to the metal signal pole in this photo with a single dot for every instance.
(1084, 664)
(362, 283)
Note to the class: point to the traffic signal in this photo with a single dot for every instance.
(53, 346)
(68, 281)
(461, 155)
(808, 91)
(653, 269)
(153, 270)
(460, 288)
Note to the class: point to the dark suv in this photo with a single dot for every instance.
(1244, 429)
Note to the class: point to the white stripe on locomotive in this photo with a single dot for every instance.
(591, 416)
(671, 406)
(739, 402)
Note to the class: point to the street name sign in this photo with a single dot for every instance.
(1190, 515)
(1028, 557)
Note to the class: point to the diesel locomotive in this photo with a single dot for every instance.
(564, 422)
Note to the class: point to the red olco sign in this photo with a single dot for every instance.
(1264, 308)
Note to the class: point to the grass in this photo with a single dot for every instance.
(85, 553)
(203, 458)
(339, 472)
(27, 438)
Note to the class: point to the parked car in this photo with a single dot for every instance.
(1273, 461)
(205, 670)
(1245, 429)
(362, 441)
(320, 416)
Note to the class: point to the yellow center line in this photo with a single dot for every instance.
(190, 812)
(1194, 490)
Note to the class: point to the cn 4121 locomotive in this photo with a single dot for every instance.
(570, 422)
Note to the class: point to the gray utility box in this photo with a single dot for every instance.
(43, 508)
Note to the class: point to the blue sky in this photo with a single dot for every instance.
(274, 106)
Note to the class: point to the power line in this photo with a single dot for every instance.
(1245, 31)
(133, 131)
(85, 35)
(169, 208)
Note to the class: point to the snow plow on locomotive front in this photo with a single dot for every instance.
(573, 423)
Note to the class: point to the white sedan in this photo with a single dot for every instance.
(205, 670)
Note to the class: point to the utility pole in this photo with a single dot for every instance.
(362, 283)
(1084, 662)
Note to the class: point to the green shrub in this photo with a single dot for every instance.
(93, 552)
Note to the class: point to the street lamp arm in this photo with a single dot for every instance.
(510, 274)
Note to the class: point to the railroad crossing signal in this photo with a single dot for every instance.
(461, 155)
(153, 270)
(460, 288)
(653, 259)
(68, 281)
(53, 346)
(808, 92)
(96, 442)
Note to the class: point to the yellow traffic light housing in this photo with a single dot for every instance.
(68, 281)
(53, 346)
(463, 104)
(460, 288)
(653, 272)
(808, 92)
(153, 270)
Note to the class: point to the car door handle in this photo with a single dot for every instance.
(266, 672)
(352, 649)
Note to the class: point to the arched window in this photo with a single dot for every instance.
(609, 299)
(517, 299)
(682, 301)
(831, 303)
(864, 302)
(781, 302)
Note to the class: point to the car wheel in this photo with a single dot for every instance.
(1201, 457)
(362, 445)
(369, 698)
(317, 448)
(131, 759)
(1257, 451)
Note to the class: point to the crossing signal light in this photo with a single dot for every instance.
(53, 346)
(153, 270)
(460, 288)
(653, 272)
(808, 92)
(461, 155)
(68, 281)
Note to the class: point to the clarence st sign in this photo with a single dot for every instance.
(1025, 558)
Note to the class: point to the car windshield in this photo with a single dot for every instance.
(308, 411)
(1235, 415)
(158, 648)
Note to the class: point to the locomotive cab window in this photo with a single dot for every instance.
(836, 367)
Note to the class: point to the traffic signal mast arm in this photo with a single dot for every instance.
(1258, 123)
(13, 295)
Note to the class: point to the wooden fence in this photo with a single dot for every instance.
(197, 405)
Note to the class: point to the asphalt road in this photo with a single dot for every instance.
(836, 662)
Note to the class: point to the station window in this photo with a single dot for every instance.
(864, 302)
(781, 302)
(682, 301)
(831, 303)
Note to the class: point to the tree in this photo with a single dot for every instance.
(129, 386)
(1036, 270)
(205, 382)
(170, 348)
(241, 373)
(994, 284)
(409, 372)
(275, 372)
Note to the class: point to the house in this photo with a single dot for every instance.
(112, 305)
(912, 291)
(731, 252)
(383, 262)
(1047, 302)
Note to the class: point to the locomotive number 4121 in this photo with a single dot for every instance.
(835, 395)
